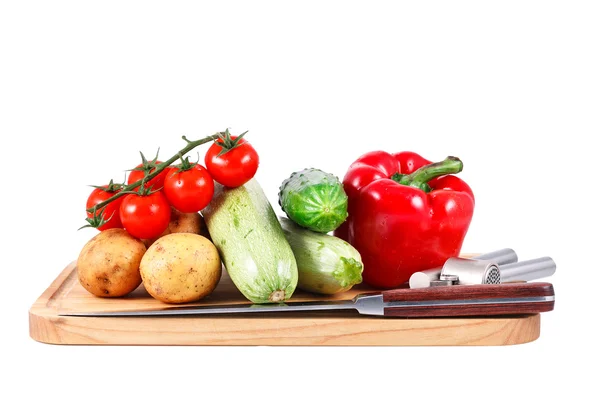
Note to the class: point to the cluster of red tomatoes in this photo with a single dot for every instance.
(188, 188)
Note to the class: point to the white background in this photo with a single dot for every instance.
(511, 87)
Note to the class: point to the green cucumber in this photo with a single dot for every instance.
(244, 228)
(314, 199)
(326, 264)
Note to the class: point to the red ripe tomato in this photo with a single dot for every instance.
(110, 212)
(189, 190)
(155, 183)
(145, 216)
(234, 168)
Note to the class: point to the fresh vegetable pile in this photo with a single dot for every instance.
(174, 224)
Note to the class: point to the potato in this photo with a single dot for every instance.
(181, 268)
(182, 223)
(108, 265)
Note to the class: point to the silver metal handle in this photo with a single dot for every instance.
(424, 278)
(500, 257)
(527, 270)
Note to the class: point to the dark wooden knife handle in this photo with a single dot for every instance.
(489, 300)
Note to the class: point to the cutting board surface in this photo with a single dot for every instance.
(317, 328)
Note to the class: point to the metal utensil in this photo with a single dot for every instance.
(458, 271)
(527, 270)
(431, 277)
(450, 301)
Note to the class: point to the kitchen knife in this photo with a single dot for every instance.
(449, 301)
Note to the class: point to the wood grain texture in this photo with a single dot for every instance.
(465, 311)
(473, 292)
(470, 292)
(300, 329)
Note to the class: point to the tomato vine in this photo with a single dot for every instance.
(96, 211)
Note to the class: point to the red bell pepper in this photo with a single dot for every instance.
(405, 214)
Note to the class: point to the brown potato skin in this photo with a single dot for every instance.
(108, 264)
(181, 268)
(182, 223)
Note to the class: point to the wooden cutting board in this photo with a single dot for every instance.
(289, 329)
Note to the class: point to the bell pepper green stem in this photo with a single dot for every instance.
(419, 178)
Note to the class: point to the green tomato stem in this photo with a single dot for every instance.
(191, 144)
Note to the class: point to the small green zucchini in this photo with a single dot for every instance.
(326, 264)
(244, 228)
(314, 199)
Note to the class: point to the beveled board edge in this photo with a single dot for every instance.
(46, 326)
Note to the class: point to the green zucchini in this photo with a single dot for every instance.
(314, 199)
(244, 228)
(326, 264)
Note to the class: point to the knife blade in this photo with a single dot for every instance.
(450, 301)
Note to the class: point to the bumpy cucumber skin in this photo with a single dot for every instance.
(314, 199)
(326, 264)
(251, 243)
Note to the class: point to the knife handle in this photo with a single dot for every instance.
(471, 300)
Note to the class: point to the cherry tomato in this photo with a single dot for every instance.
(235, 167)
(145, 216)
(155, 183)
(189, 190)
(110, 212)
